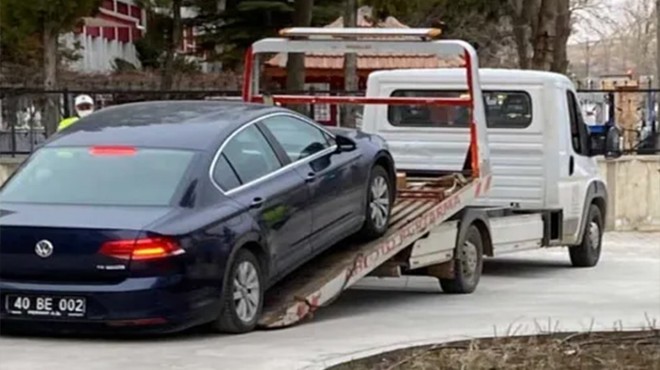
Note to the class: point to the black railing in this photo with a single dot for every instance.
(25, 123)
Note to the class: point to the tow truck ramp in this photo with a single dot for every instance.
(421, 207)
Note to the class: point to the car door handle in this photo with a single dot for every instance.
(257, 202)
(571, 165)
(310, 177)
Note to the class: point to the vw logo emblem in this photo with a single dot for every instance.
(44, 248)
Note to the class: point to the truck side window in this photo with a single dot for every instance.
(579, 135)
(504, 109)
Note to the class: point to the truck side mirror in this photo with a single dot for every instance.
(613, 143)
(604, 141)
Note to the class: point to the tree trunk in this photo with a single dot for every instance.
(562, 32)
(545, 35)
(295, 63)
(524, 21)
(350, 66)
(167, 78)
(657, 44)
(51, 115)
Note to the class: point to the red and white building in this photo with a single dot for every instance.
(109, 35)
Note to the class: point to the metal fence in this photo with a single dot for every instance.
(24, 122)
(633, 112)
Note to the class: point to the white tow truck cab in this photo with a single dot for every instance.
(479, 173)
(541, 154)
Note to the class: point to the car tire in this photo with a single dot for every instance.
(587, 253)
(378, 205)
(244, 284)
(468, 264)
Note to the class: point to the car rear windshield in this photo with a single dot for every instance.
(121, 176)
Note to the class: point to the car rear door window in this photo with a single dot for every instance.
(250, 155)
(298, 138)
(225, 175)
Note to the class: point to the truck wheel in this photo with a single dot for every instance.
(379, 204)
(468, 264)
(587, 253)
(242, 295)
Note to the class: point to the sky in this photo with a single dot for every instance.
(589, 23)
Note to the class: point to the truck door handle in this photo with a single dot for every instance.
(571, 165)
(310, 177)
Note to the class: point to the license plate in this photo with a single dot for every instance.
(46, 306)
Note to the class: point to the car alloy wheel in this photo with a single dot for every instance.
(380, 202)
(246, 292)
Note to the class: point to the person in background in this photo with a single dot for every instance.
(84, 105)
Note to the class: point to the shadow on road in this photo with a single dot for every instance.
(522, 268)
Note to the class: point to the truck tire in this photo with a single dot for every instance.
(587, 253)
(468, 264)
(379, 204)
(244, 285)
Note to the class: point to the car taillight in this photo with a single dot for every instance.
(141, 249)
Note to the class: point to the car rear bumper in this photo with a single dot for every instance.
(154, 304)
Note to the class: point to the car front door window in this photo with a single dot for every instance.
(250, 156)
(298, 138)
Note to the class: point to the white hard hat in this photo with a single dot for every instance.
(84, 99)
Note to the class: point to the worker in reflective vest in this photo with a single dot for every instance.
(84, 105)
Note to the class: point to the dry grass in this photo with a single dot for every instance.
(616, 350)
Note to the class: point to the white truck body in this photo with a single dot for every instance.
(535, 164)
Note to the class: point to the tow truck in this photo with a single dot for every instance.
(438, 227)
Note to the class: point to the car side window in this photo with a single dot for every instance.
(225, 175)
(298, 138)
(250, 155)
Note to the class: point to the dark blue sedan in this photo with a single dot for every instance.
(165, 215)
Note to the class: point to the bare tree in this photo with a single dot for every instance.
(633, 34)
(542, 28)
(295, 64)
(657, 43)
(350, 65)
(174, 42)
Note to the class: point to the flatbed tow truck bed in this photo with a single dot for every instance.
(421, 205)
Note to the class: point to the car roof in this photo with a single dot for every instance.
(197, 125)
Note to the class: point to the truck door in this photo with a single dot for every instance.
(576, 170)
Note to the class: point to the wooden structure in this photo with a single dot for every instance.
(324, 71)
(628, 101)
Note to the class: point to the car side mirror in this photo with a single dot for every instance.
(344, 144)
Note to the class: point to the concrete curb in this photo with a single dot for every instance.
(358, 355)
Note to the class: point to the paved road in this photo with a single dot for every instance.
(521, 294)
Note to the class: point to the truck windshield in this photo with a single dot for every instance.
(504, 109)
(119, 176)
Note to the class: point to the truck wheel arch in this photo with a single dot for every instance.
(597, 195)
(478, 218)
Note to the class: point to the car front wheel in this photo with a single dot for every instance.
(242, 299)
(379, 204)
